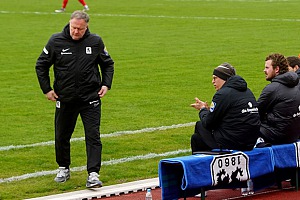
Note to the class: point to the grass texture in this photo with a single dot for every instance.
(164, 53)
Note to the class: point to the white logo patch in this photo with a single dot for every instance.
(230, 168)
(96, 103)
(298, 113)
(88, 50)
(250, 104)
(65, 51)
(57, 104)
(45, 51)
(251, 109)
(212, 106)
(105, 51)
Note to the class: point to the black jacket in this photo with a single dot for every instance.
(233, 116)
(76, 66)
(279, 109)
(298, 73)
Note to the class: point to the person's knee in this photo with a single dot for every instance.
(195, 137)
(193, 143)
(198, 124)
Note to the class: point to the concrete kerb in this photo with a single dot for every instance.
(106, 191)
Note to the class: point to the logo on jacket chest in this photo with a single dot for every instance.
(88, 50)
(66, 51)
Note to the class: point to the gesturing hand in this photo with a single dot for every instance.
(199, 104)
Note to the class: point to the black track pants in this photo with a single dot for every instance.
(65, 120)
(202, 139)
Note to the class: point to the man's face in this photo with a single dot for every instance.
(77, 28)
(269, 71)
(291, 69)
(217, 82)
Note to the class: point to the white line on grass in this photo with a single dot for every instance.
(160, 16)
(110, 162)
(114, 134)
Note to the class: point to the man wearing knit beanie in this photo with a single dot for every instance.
(224, 71)
(222, 125)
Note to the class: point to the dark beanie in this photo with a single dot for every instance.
(224, 71)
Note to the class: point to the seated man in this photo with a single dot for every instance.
(279, 102)
(232, 121)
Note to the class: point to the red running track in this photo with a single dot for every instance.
(273, 193)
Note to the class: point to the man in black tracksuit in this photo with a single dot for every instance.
(76, 55)
(232, 120)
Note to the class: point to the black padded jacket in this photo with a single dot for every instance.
(75, 65)
(233, 116)
(279, 109)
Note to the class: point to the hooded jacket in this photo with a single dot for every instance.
(76, 66)
(298, 73)
(233, 116)
(279, 109)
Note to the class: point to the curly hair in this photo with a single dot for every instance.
(280, 61)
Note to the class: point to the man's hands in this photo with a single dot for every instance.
(103, 91)
(199, 104)
(51, 95)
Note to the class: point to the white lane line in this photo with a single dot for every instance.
(82, 168)
(162, 16)
(114, 134)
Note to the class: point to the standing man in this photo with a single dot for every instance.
(279, 102)
(65, 2)
(76, 55)
(232, 120)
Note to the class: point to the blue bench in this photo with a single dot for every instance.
(287, 156)
(186, 176)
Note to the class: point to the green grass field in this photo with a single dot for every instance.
(164, 53)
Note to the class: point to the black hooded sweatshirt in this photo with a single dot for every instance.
(233, 116)
(279, 109)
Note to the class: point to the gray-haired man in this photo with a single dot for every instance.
(76, 55)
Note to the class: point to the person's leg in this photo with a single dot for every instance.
(63, 8)
(65, 120)
(90, 114)
(202, 139)
(82, 2)
(267, 135)
(85, 6)
(64, 5)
